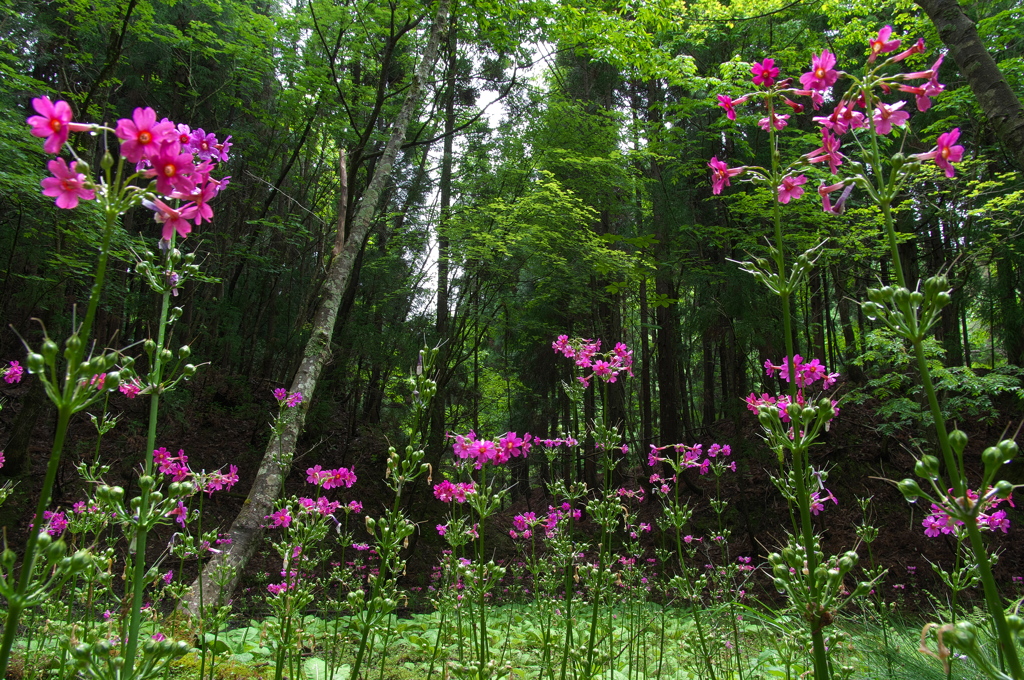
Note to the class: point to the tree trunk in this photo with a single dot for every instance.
(247, 528)
(997, 100)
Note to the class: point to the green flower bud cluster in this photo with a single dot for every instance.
(909, 313)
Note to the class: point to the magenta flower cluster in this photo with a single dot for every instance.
(688, 456)
(467, 447)
(325, 479)
(285, 399)
(448, 491)
(525, 524)
(844, 118)
(805, 374)
(939, 522)
(179, 159)
(179, 471)
(587, 355)
(331, 479)
(13, 373)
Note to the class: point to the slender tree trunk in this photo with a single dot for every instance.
(247, 528)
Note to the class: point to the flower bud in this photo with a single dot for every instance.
(35, 363)
(166, 355)
(992, 457)
(55, 551)
(146, 482)
(79, 561)
(107, 162)
(72, 344)
(1003, 489)
(188, 370)
(184, 352)
(927, 467)
(958, 440)
(49, 350)
(942, 299)
(1009, 449)
(910, 489)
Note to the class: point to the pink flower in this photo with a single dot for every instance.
(729, 104)
(997, 520)
(721, 173)
(828, 151)
(130, 388)
(818, 503)
(822, 74)
(180, 513)
(886, 116)
(282, 518)
(442, 529)
(172, 219)
(826, 204)
(844, 117)
(168, 577)
(222, 149)
(219, 481)
(779, 121)
(13, 373)
(355, 507)
(313, 474)
(280, 394)
(67, 185)
(881, 43)
(204, 143)
(142, 135)
(945, 153)
(56, 523)
(765, 73)
(172, 169)
(915, 49)
(53, 123)
(791, 188)
(294, 400)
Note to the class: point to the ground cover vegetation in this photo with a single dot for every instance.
(483, 340)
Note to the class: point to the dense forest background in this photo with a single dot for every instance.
(554, 180)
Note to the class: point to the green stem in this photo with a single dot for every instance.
(17, 602)
(799, 465)
(142, 532)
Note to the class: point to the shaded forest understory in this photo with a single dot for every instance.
(482, 178)
(219, 419)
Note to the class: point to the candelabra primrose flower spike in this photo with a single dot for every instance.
(955, 508)
(168, 169)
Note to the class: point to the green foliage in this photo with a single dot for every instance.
(967, 395)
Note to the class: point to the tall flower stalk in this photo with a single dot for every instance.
(909, 313)
(172, 172)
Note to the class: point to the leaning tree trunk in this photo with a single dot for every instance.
(247, 528)
(997, 100)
